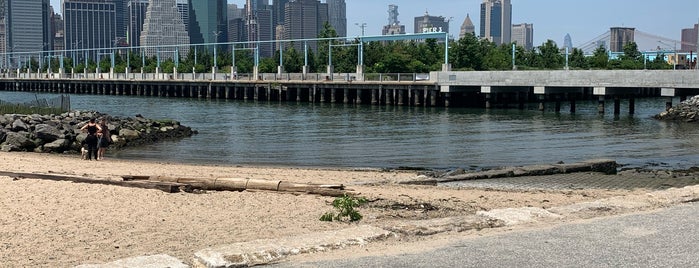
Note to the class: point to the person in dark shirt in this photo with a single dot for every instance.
(91, 140)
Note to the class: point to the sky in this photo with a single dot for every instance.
(584, 20)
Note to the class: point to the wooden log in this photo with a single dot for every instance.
(242, 184)
(169, 187)
(231, 184)
(263, 185)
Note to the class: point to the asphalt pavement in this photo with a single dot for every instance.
(663, 238)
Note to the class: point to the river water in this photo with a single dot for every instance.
(338, 135)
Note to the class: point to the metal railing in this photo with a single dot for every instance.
(335, 77)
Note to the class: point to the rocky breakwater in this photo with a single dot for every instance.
(687, 111)
(61, 133)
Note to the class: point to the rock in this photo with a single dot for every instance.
(129, 134)
(60, 133)
(19, 125)
(8, 148)
(47, 133)
(19, 140)
(57, 146)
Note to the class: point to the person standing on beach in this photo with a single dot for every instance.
(104, 139)
(91, 140)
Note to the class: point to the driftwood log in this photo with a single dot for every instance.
(242, 184)
(169, 187)
(174, 185)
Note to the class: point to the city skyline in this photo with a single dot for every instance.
(584, 21)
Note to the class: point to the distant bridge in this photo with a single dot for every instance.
(646, 42)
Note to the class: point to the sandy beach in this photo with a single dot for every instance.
(62, 224)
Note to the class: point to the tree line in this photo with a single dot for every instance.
(466, 54)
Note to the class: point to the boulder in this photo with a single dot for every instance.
(19, 140)
(19, 125)
(47, 133)
(57, 146)
(129, 134)
(3, 135)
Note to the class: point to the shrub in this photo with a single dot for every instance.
(345, 206)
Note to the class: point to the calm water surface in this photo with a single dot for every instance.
(337, 135)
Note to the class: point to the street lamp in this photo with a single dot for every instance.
(362, 25)
(215, 33)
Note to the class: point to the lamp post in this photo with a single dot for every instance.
(215, 33)
(362, 25)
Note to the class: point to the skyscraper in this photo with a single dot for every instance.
(259, 26)
(208, 21)
(568, 42)
(26, 26)
(304, 19)
(523, 35)
(278, 12)
(393, 27)
(122, 20)
(467, 27)
(620, 36)
(427, 23)
(89, 24)
(496, 21)
(163, 26)
(337, 16)
(136, 17)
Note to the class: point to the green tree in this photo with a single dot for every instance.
(327, 32)
(577, 60)
(465, 54)
(600, 58)
(550, 56)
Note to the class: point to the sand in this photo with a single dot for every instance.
(62, 224)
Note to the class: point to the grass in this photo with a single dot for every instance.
(21, 109)
(346, 209)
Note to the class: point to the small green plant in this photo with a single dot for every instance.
(346, 209)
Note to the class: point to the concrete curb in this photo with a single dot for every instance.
(153, 261)
(268, 250)
(612, 205)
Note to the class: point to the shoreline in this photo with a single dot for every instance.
(63, 224)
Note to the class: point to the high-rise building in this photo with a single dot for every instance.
(122, 21)
(208, 21)
(467, 27)
(278, 8)
(568, 42)
(427, 23)
(689, 39)
(523, 35)
(393, 27)
(183, 8)
(259, 26)
(25, 27)
(620, 36)
(89, 24)
(337, 16)
(163, 26)
(57, 31)
(136, 16)
(304, 20)
(496, 21)
(236, 23)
